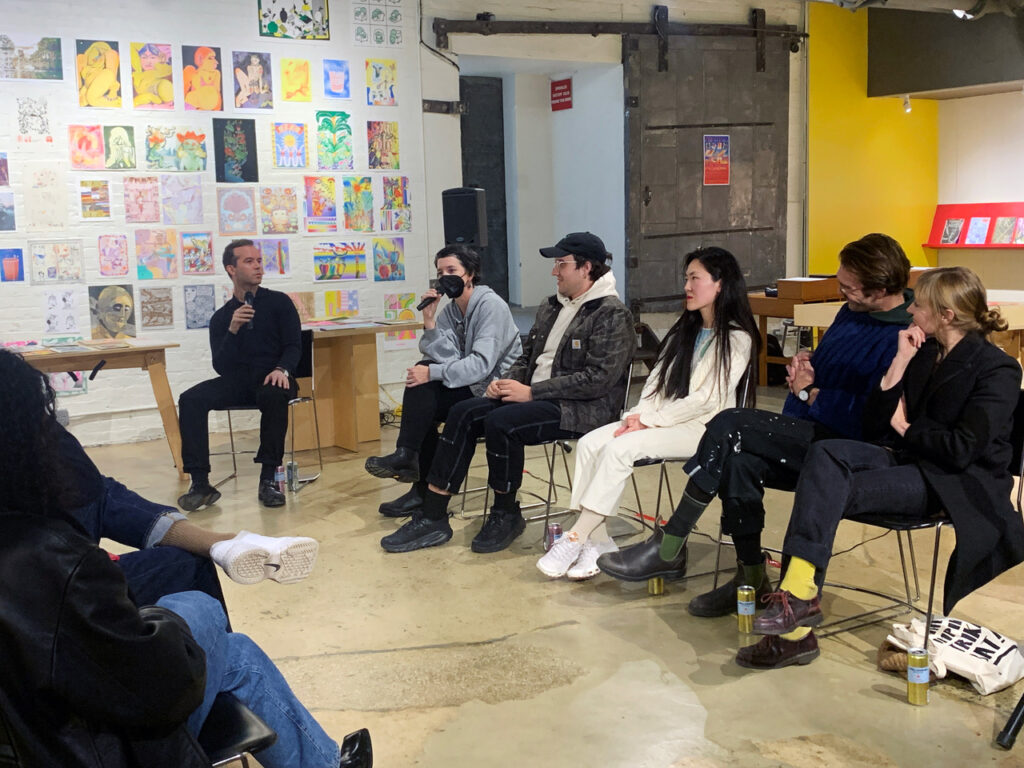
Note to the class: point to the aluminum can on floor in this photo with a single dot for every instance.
(918, 676)
(279, 479)
(656, 586)
(292, 472)
(745, 608)
(552, 533)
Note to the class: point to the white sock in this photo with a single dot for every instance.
(588, 524)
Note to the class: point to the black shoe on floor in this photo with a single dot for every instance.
(642, 561)
(722, 601)
(408, 503)
(501, 528)
(269, 495)
(403, 465)
(356, 750)
(198, 496)
(418, 533)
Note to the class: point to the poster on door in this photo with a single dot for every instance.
(716, 160)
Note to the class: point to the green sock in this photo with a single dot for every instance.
(753, 575)
(671, 546)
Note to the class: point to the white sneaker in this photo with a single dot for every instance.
(561, 556)
(586, 563)
(249, 558)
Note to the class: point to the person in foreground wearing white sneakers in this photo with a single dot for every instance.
(702, 367)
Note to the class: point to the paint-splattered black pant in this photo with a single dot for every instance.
(744, 451)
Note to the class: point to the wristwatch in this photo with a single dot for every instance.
(805, 394)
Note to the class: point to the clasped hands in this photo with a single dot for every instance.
(631, 423)
(509, 391)
(799, 372)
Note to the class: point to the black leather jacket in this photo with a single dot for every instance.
(86, 678)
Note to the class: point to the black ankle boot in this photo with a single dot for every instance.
(409, 502)
(403, 465)
(200, 494)
(356, 750)
(722, 601)
(643, 561)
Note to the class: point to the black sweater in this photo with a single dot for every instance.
(275, 338)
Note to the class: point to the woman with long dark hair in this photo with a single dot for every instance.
(703, 365)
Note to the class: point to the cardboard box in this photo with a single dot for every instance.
(809, 288)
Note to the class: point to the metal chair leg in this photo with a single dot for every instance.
(931, 586)
(234, 460)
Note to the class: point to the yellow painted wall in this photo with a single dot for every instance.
(871, 166)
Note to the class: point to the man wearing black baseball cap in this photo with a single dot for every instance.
(570, 379)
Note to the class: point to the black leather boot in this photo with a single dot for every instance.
(403, 465)
(642, 561)
(199, 495)
(356, 750)
(722, 601)
(409, 502)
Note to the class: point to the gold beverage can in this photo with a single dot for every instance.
(656, 586)
(917, 676)
(745, 596)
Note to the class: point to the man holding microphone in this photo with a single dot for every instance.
(256, 343)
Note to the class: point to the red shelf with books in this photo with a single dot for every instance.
(977, 225)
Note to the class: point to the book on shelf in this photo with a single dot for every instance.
(977, 230)
(1003, 232)
(951, 231)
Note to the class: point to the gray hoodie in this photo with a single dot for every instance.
(474, 350)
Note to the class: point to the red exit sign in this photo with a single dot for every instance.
(561, 94)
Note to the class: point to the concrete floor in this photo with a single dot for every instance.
(457, 659)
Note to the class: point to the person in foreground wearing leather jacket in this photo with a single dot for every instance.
(88, 678)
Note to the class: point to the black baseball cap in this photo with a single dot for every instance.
(585, 244)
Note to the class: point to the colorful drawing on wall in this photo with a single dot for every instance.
(381, 83)
(141, 199)
(336, 79)
(200, 304)
(94, 197)
(156, 254)
(357, 193)
(333, 141)
(321, 208)
(388, 259)
(33, 120)
(7, 220)
(181, 198)
(46, 205)
(289, 145)
(396, 214)
(285, 18)
(279, 210)
(295, 82)
(1003, 232)
(382, 141)
(111, 311)
(716, 160)
(85, 145)
(253, 84)
(191, 150)
(5, 172)
(377, 23)
(339, 261)
(98, 73)
(977, 230)
(156, 308)
(275, 257)
(197, 253)
(66, 385)
(55, 261)
(113, 250)
(152, 86)
(12, 265)
(118, 147)
(399, 306)
(61, 313)
(161, 148)
(27, 58)
(201, 77)
(236, 211)
(234, 147)
(951, 231)
(341, 304)
(305, 304)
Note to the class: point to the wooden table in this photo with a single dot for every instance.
(346, 386)
(148, 357)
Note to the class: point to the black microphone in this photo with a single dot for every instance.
(248, 301)
(427, 302)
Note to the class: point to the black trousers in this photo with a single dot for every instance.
(506, 427)
(743, 451)
(245, 390)
(842, 478)
(423, 408)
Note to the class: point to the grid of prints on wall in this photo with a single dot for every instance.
(155, 150)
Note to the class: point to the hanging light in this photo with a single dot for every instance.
(906, 103)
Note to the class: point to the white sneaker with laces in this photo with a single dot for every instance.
(249, 558)
(586, 564)
(561, 556)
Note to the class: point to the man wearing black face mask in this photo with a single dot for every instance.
(470, 343)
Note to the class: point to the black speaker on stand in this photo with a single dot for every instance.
(465, 216)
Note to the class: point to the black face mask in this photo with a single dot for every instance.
(451, 286)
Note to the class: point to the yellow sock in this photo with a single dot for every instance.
(799, 579)
(797, 634)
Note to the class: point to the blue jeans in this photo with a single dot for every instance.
(121, 515)
(235, 664)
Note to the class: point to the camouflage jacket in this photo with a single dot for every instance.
(588, 375)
